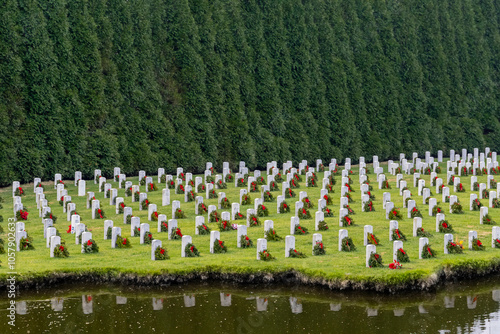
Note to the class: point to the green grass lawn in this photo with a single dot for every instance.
(334, 265)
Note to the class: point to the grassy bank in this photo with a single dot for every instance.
(335, 266)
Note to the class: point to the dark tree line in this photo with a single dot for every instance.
(143, 84)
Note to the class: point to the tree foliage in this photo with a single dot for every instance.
(88, 84)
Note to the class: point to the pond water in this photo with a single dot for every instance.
(217, 308)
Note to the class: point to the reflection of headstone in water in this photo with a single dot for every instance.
(189, 301)
(157, 304)
(335, 307)
(225, 299)
(421, 309)
(87, 304)
(295, 305)
(495, 295)
(56, 304)
(21, 308)
(399, 312)
(261, 304)
(371, 312)
(471, 302)
(121, 300)
(449, 302)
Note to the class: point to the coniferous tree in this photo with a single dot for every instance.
(414, 101)
(100, 148)
(151, 83)
(40, 148)
(12, 93)
(237, 142)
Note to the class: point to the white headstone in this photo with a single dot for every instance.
(411, 206)
(447, 238)
(388, 207)
(144, 230)
(393, 225)
(421, 243)
(397, 244)
(261, 246)
(483, 211)
(482, 187)
(279, 200)
(316, 238)
(369, 250)
(165, 197)
(289, 243)
(472, 235)
(235, 209)
(495, 234)
(151, 209)
(51, 231)
(199, 220)
(417, 223)
(54, 241)
(453, 200)
(135, 222)
(319, 216)
(81, 188)
(79, 230)
(57, 178)
(342, 234)
(432, 204)
(426, 193)
(19, 235)
(186, 239)
(154, 245)
(95, 205)
(242, 230)
(242, 193)
(493, 196)
(172, 225)
(268, 225)
(175, 206)
(446, 193)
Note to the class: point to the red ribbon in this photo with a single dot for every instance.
(397, 232)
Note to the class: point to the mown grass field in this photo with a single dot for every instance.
(334, 265)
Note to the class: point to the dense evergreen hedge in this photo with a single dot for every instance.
(163, 83)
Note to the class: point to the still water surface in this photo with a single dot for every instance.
(216, 308)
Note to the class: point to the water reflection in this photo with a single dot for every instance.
(261, 304)
(87, 304)
(449, 302)
(225, 299)
(189, 301)
(157, 304)
(21, 308)
(399, 312)
(335, 307)
(295, 305)
(209, 309)
(121, 300)
(371, 312)
(56, 304)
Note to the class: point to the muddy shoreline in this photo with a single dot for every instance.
(445, 276)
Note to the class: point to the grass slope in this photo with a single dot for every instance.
(334, 265)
